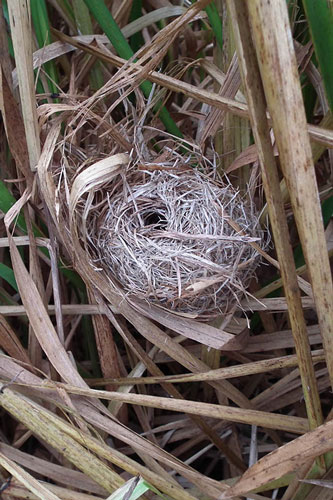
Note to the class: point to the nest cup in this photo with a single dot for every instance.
(176, 238)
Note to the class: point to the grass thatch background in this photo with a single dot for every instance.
(103, 396)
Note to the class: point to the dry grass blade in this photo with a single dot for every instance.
(95, 175)
(10, 343)
(26, 479)
(264, 419)
(63, 475)
(41, 322)
(17, 490)
(276, 304)
(147, 362)
(319, 482)
(106, 345)
(285, 459)
(20, 21)
(9, 369)
(318, 134)
(14, 128)
(66, 309)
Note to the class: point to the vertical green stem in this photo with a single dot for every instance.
(41, 24)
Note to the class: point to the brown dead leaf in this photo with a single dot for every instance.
(14, 128)
(10, 342)
(249, 155)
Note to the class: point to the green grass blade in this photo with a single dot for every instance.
(112, 31)
(6, 16)
(104, 18)
(42, 30)
(7, 200)
(136, 40)
(138, 487)
(7, 274)
(82, 17)
(216, 22)
(66, 7)
(84, 27)
(320, 18)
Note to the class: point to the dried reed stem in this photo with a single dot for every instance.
(257, 106)
(278, 67)
(20, 23)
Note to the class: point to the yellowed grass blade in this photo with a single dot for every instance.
(257, 106)
(26, 479)
(63, 475)
(41, 423)
(17, 490)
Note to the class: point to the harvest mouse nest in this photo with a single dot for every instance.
(178, 239)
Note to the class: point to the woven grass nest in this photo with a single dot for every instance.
(150, 214)
(166, 236)
(170, 233)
